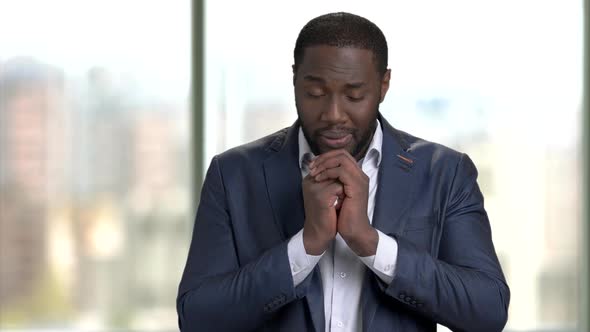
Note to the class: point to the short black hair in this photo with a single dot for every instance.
(343, 30)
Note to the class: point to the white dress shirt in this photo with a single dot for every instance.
(341, 269)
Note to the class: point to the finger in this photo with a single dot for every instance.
(338, 202)
(331, 154)
(340, 160)
(326, 184)
(335, 188)
(319, 159)
(353, 185)
(309, 178)
(327, 191)
(339, 169)
(327, 163)
(339, 173)
(336, 192)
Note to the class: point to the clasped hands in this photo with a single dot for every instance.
(335, 196)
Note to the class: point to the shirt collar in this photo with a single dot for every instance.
(373, 152)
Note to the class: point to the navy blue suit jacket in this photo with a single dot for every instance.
(237, 276)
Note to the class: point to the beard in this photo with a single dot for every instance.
(361, 137)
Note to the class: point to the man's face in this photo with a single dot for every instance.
(337, 94)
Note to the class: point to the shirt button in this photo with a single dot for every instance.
(294, 267)
(387, 267)
(340, 324)
(343, 275)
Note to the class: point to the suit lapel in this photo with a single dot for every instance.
(283, 182)
(397, 178)
(396, 191)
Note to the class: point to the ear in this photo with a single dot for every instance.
(294, 73)
(385, 84)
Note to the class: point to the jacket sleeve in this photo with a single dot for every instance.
(464, 287)
(216, 292)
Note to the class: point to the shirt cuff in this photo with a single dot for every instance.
(384, 261)
(300, 262)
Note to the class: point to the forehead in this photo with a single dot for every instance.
(338, 63)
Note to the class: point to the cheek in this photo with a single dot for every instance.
(305, 113)
(363, 115)
(307, 109)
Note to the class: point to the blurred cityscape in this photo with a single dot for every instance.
(95, 173)
(94, 198)
(95, 211)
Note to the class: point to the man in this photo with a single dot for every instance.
(341, 222)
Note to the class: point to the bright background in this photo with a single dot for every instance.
(95, 181)
(95, 150)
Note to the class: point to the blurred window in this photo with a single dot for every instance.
(94, 163)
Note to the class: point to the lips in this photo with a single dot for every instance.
(335, 140)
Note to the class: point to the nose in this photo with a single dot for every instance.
(333, 112)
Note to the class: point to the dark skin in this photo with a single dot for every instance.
(337, 93)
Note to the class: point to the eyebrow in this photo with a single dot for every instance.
(354, 85)
(314, 78)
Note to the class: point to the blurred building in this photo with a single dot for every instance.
(132, 203)
(158, 203)
(94, 195)
(532, 199)
(30, 158)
